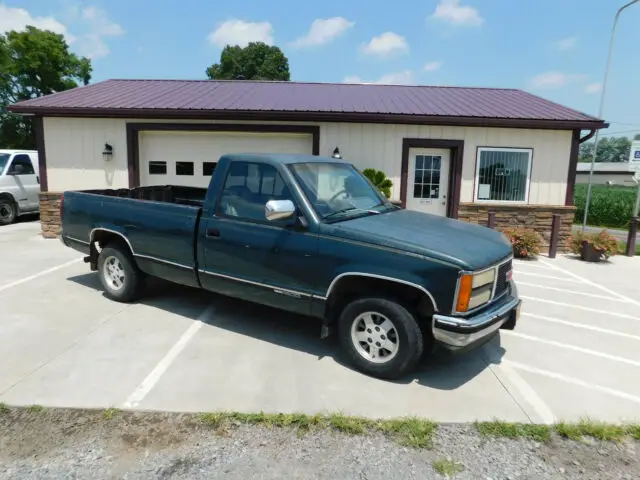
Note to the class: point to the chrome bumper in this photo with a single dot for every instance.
(455, 333)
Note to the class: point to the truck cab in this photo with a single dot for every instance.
(19, 184)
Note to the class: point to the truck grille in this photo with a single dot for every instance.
(502, 283)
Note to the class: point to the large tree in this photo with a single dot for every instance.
(609, 150)
(256, 61)
(33, 63)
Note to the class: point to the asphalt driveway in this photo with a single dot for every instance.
(62, 343)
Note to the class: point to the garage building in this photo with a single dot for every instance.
(454, 151)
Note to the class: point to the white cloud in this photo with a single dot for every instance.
(593, 88)
(397, 78)
(432, 66)
(452, 12)
(555, 79)
(18, 19)
(386, 44)
(239, 32)
(323, 30)
(566, 43)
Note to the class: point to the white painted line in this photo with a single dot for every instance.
(607, 313)
(581, 325)
(550, 277)
(575, 348)
(520, 263)
(152, 379)
(572, 292)
(574, 381)
(37, 275)
(593, 284)
(509, 379)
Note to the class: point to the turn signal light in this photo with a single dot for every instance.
(464, 293)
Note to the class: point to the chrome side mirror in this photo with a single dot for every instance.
(279, 210)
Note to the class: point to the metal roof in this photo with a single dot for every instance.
(366, 102)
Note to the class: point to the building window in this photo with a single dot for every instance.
(503, 174)
(208, 168)
(157, 168)
(184, 168)
(427, 176)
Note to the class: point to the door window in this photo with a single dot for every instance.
(248, 187)
(21, 165)
(427, 176)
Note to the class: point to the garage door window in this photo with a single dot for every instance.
(208, 168)
(184, 168)
(157, 168)
(248, 187)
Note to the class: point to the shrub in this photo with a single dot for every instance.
(526, 242)
(609, 206)
(380, 180)
(602, 242)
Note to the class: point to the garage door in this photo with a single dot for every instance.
(189, 158)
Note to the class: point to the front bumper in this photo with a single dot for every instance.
(456, 333)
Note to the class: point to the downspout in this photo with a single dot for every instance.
(588, 136)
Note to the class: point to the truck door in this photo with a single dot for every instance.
(250, 257)
(27, 185)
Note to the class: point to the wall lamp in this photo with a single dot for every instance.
(336, 154)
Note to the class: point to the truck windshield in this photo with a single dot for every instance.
(337, 190)
(4, 159)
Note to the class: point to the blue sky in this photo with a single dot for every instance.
(553, 48)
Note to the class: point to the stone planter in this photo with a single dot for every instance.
(589, 254)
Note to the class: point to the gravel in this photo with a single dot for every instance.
(57, 443)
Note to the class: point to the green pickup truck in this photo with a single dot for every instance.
(310, 235)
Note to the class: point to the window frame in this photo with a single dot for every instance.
(18, 156)
(476, 188)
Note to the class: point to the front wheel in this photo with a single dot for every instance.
(8, 211)
(119, 275)
(381, 336)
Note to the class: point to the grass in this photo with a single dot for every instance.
(539, 433)
(109, 413)
(447, 467)
(35, 408)
(597, 430)
(410, 432)
(622, 248)
(4, 408)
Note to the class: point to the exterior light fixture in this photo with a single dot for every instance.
(107, 153)
(336, 154)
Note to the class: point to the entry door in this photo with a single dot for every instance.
(428, 180)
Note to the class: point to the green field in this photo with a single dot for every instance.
(609, 207)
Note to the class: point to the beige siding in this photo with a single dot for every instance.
(74, 148)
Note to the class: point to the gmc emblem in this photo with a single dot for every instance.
(509, 275)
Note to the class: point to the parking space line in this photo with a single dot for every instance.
(528, 264)
(565, 290)
(37, 275)
(593, 284)
(575, 348)
(580, 325)
(152, 379)
(574, 381)
(550, 277)
(580, 307)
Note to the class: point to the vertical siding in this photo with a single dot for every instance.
(74, 152)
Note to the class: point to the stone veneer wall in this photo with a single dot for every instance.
(50, 214)
(538, 217)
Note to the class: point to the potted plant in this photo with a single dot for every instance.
(526, 242)
(594, 247)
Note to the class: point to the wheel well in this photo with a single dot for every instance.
(351, 287)
(7, 196)
(104, 238)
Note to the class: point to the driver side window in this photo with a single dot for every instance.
(248, 187)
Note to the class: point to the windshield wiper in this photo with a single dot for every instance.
(349, 209)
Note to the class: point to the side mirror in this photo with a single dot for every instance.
(279, 210)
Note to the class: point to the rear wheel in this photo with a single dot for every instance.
(381, 336)
(8, 211)
(120, 276)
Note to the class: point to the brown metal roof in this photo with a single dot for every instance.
(309, 101)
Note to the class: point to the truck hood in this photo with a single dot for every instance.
(466, 245)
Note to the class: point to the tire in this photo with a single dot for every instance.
(8, 211)
(120, 277)
(358, 340)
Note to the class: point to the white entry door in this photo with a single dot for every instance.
(428, 180)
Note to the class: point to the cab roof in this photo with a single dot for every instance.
(284, 158)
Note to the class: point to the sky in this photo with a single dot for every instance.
(553, 48)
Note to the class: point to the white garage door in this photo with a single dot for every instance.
(189, 158)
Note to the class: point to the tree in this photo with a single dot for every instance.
(380, 180)
(34, 63)
(609, 150)
(256, 61)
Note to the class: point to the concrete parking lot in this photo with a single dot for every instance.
(575, 352)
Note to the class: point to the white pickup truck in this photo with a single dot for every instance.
(19, 184)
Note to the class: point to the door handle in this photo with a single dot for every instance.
(38, 179)
(213, 232)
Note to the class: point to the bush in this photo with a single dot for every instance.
(380, 180)
(525, 241)
(602, 242)
(609, 206)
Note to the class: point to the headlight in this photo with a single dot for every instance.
(475, 290)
